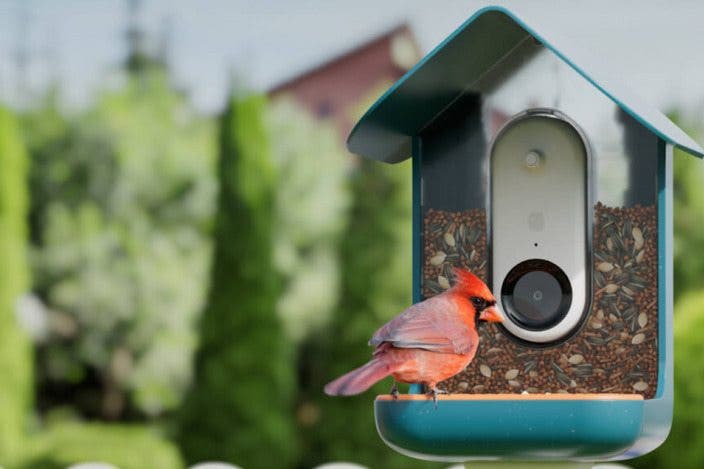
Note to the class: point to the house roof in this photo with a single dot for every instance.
(452, 68)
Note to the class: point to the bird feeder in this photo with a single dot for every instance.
(556, 189)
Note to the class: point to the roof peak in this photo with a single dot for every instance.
(453, 67)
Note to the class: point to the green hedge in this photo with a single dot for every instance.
(15, 349)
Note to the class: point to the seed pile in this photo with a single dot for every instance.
(452, 239)
(615, 350)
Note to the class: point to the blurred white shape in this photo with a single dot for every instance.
(92, 465)
(610, 466)
(340, 465)
(456, 466)
(214, 465)
(32, 316)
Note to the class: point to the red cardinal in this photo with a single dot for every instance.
(427, 343)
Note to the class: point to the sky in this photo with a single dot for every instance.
(654, 47)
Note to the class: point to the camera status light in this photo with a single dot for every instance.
(533, 158)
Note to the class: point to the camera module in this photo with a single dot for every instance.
(536, 294)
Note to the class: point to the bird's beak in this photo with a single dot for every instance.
(491, 314)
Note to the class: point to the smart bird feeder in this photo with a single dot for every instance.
(557, 191)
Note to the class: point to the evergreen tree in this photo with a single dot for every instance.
(15, 350)
(376, 285)
(239, 407)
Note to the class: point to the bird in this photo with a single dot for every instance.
(428, 342)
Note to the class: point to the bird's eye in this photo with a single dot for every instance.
(478, 303)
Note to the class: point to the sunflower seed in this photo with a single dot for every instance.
(511, 374)
(596, 340)
(638, 339)
(473, 236)
(448, 272)
(637, 238)
(449, 240)
(514, 384)
(443, 282)
(605, 266)
(438, 258)
(627, 228)
(485, 370)
(576, 359)
(563, 379)
(642, 319)
(599, 279)
(611, 288)
(640, 386)
(640, 256)
(478, 388)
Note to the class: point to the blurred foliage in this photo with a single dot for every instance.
(240, 405)
(123, 197)
(376, 285)
(312, 199)
(125, 446)
(688, 201)
(683, 447)
(15, 347)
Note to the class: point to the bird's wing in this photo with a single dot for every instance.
(434, 324)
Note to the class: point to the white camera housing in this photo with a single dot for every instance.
(540, 209)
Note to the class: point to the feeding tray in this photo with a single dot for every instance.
(510, 426)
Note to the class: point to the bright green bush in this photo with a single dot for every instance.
(15, 349)
(239, 408)
(122, 204)
(312, 198)
(125, 446)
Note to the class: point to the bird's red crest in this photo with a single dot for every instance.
(470, 283)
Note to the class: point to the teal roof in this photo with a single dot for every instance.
(384, 133)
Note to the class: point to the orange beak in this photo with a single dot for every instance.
(491, 314)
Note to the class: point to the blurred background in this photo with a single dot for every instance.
(187, 251)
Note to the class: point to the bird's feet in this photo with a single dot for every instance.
(433, 392)
(394, 391)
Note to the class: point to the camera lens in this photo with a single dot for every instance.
(536, 294)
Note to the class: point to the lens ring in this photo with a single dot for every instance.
(536, 294)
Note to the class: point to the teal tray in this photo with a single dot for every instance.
(510, 426)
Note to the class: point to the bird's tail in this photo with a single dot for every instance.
(360, 379)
